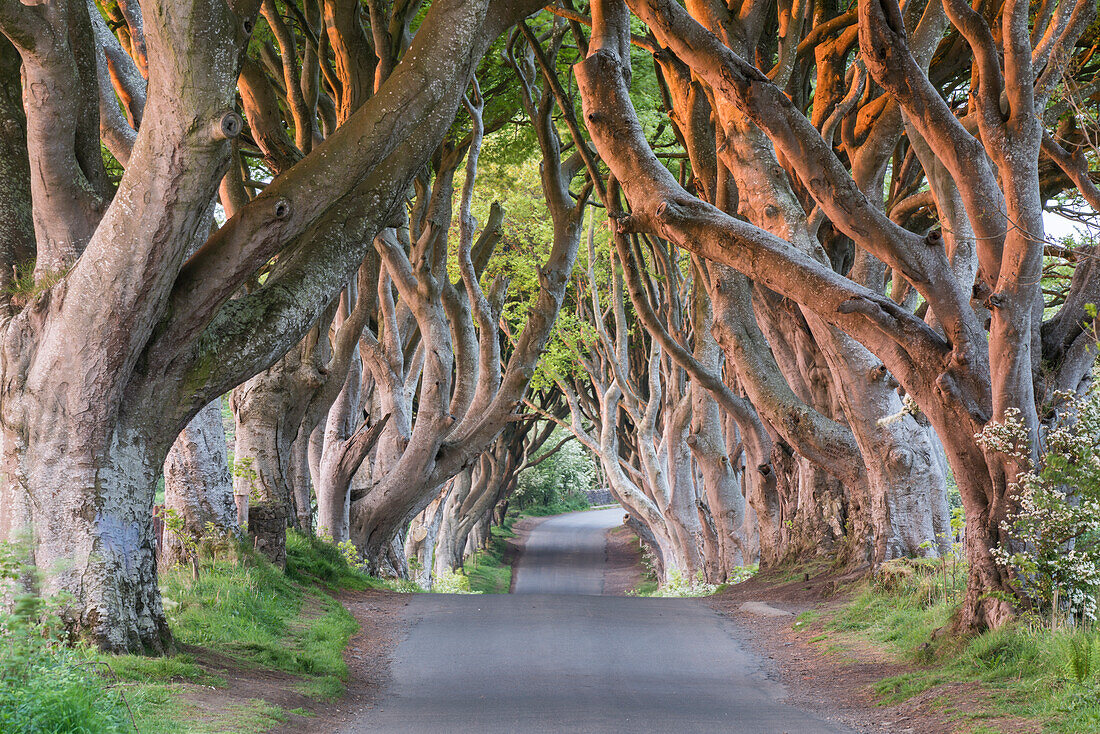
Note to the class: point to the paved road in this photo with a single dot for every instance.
(565, 554)
(570, 661)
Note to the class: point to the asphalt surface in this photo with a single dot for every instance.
(565, 554)
(556, 657)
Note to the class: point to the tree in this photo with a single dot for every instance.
(127, 338)
(986, 190)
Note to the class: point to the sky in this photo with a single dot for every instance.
(1058, 227)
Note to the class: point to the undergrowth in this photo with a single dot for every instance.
(240, 611)
(677, 584)
(44, 685)
(486, 570)
(1026, 669)
(562, 503)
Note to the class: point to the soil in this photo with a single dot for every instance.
(835, 674)
(623, 571)
(368, 656)
(246, 684)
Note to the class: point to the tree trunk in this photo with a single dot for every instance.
(451, 539)
(95, 540)
(197, 483)
(268, 411)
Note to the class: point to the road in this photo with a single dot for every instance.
(565, 554)
(557, 657)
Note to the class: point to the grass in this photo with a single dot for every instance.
(56, 692)
(1025, 670)
(255, 614)
(246, 610)
(574, 502)
(486, 569)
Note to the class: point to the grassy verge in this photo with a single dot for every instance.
(1026, 670)
(487, 570)
(241, 613)
(573, 502)
(677, 585)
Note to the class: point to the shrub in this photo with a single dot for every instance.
(452, 582)
(558, 483)
(1055, 547)
(678, 585)
(44, 686)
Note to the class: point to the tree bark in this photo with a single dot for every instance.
(197, 483)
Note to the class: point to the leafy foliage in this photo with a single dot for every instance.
(1055, 546)
(679, 585)
(452, 582)
(559, 483)
(44, 685)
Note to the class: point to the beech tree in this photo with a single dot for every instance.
(974, 349)
(823, 275)
(125, 338)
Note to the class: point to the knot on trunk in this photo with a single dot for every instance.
(281, 210)
(881, 373)
(228, 126)
(624, 223)
(934, 238)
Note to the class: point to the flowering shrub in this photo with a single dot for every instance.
(351, 556)
(680, 585)
(452, 582)
(742, 573)
(1056, 530)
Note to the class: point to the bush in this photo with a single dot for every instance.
(452, 582)
(558, 483)
(45, 688)
(678, 585)
(1055, 547)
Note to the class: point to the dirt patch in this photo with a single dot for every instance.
(368, 655)
(834, 674)
(623, 571)
(245, 686)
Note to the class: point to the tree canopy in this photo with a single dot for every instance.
(775, 265)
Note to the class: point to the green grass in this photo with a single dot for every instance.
(180, 667)
(56, 692)
(486, 569)
(256, 615)
(240, 607)
(571, 503)
(1026, 670)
